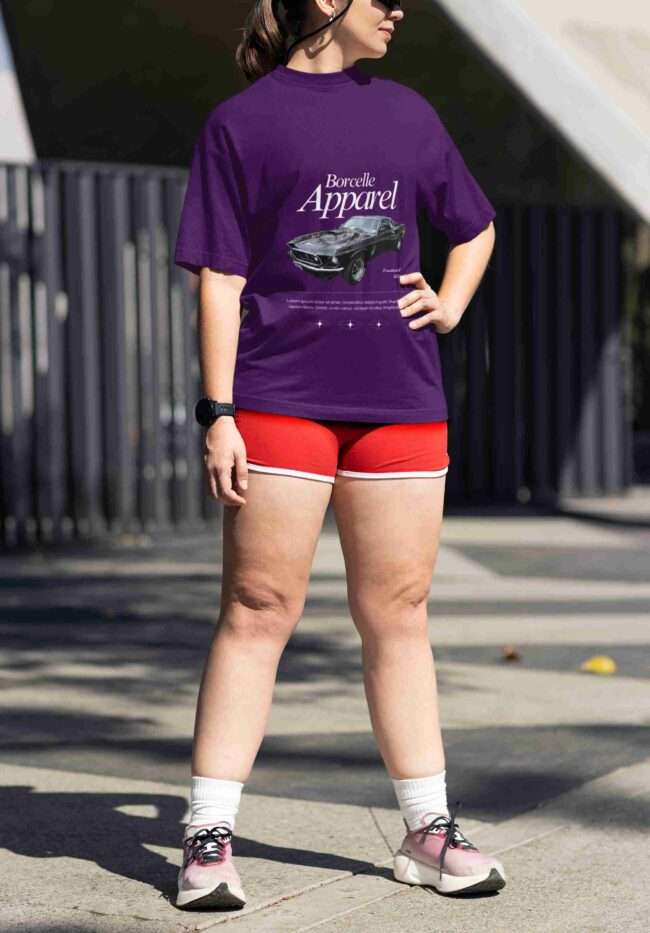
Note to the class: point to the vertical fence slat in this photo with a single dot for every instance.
(451, 348)
(186, 488)
(7, 247)
(160, 291)
(540, 385)
(611, 388)
(587, 427)
(149, 451)
(477, 398)
(51, 308)
(565, 382)
(520, 325)
(17, 383)
(57, 313)
(503, 354)
(119, 414)
(83, 357)
(635, 295)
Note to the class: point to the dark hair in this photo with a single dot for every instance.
(267, 27)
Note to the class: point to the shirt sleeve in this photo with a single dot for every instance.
(212, 228)
(452, 198)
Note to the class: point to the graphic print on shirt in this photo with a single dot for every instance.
(346, 250)
(348, 256)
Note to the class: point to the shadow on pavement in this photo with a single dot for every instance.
(90, 826)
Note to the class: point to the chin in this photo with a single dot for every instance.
(375, 51)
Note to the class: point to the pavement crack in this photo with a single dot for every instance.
(380, 830)
(104, 913)
(525, 842)
(345, 913)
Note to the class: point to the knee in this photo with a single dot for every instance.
(259, 609)
(394, 607)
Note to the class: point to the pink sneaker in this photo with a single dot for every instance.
(438, 855)
(208, 877)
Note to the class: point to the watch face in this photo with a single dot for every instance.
(204, 412)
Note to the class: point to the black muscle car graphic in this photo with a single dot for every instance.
(346, 249)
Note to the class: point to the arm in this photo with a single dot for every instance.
(218, 332)
(456, 205)
(466, 264)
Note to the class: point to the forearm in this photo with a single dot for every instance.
(218, 332)
(466, 265)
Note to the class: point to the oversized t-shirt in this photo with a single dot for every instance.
(308, 184)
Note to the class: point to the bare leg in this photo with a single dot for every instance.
(390, 532)
(269, 546)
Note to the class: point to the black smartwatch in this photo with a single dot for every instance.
(207, 410)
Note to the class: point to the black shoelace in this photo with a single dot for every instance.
(207, 843)
(453, 836)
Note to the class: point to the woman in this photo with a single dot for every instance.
(301, 209)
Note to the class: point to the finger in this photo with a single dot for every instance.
(412, 307)
(406, 300)
(410, 277)
(424, 303)
(214, 492)
(423, 321)
(241, 471)
(224, 474)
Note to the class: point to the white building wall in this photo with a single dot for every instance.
(585, 64)
(16, 143)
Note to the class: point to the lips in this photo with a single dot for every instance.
(383, 29)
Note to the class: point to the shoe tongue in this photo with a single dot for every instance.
(431, 817)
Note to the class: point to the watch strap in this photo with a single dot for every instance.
(207, 410)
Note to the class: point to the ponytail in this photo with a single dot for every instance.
(267, 27)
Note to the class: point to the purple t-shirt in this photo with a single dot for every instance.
(308, 185)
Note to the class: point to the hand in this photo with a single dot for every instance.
(423, 298)
(225, 451)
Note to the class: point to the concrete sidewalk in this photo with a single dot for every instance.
(103, 647)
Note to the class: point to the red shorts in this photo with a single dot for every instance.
(318, 449)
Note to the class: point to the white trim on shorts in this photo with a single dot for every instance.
(285, 471)
(393, 475)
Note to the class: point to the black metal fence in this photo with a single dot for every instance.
(99, 366)
(538, 374)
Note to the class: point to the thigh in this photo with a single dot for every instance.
(388, 500)
(269, 543)
(390, 535)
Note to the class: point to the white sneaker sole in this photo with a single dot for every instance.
(223, 895)
(410, 871)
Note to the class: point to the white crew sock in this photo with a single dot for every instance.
(213, 800)
(421, 797)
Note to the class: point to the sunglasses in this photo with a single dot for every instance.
(389, 4)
